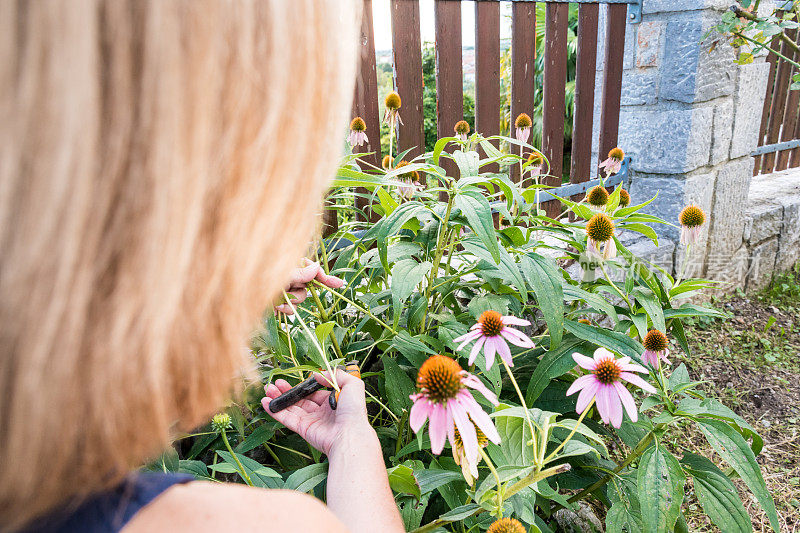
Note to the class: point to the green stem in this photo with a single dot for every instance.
(524, 405)
(780, 55)
(639, 450)
(438, 257)
(274, 456)
(489, 463)
(608, 279)
(323, 314)
(574, 429)
(357, 306)
(535, 477)
(401, 433)
(242, 471)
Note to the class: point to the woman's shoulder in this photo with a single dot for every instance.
(206, 506)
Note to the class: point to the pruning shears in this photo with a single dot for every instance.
(309, 387)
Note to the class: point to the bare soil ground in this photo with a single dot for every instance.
(751, 362)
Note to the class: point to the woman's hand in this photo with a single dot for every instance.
(301, 277)
(313, 419)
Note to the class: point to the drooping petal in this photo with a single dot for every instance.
(466, 339)
(479, 416)
(633, 367)
(586, 396)
(584, 362)
(639, 382)
(438, 428)
(489, 349)
(420, 411)
(473, 354)
(615, 405)
(503, 350)
(465, 427)
(603, 403)
(580, 383)
(510, 320)
(627, 401)
(610, 250)
(516, 337)
(451, 430)
(685, 235)
(474, 383)
(364, 138)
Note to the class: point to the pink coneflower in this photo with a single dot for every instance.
(461, 129)
(605, 384)
(655, 348)
(535, 163)
(410, 182)
(468, 469)
(600, 234)
(613, 164)
(492, 331)
(392, 103)
(358, 132)
(444, 399)
(523, 125)
(692, 219)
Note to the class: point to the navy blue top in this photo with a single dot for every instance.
(109, 511)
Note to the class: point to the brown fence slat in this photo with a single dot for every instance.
(523, 63)
(794, 154)
(487, 70)
(777, 107)
(555, 77)
(407, 57)
(585, 72)
(365, 101)
(612, 82)
(449, 77)
(789, 114)
(762, 130)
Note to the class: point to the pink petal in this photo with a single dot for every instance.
(478, 324)
(466, 428)
(633, 367)
(489, 349)
(580, 383)
(451, 429)
(639, 382)
(584, 362)
(438, 428)
(627, 401)
(466, 339)
(479, 416)
(610, 251)
(516, 337)
(685, 235)
(420, 411)
(601, 353)
(510, 320)
(616, 406)
(586, 396)
(603, 402)
(474, 383)
(649, 357)
(364, 138)
(503, 350)
(473, 354)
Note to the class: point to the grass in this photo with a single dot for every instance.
(751, 362)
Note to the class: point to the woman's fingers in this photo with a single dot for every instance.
(329, 281)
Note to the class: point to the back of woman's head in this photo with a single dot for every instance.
(161, 164)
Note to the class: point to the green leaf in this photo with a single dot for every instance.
(645, 230)
(678, 377)
(620, 518)
(712, 408)
(732, 447)
(197, 468)
(488, 302)
(554, 363)
(439, 147)
(717, 494)
(347, 177)
(454, 515)
(406, 275)
(545, 279)
(260, 475)
(660, 480)
(389, 226)
(323, 331)
(467, 163)
(478, 213)
(305, 479)
(401, 479)
(259, 436)
(612, 340)
(652, 307)
(398, 385)
(597, 302)
(412, 348)
(687, 310)
(431, 479)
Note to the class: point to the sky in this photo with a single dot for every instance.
(382, 19)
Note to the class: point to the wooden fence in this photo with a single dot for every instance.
(407, 63)
(779, 133)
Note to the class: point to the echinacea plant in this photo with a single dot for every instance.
(448, 277)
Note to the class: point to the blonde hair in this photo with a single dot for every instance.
(161, 167)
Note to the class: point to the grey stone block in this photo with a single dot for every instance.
(730, 199)
(667, 141)
(639, 88)
(723, 131)
(762, 264)
(648, 43)
(693, 71)
(749, 102)
(698, 190)
(665, 6)
(762, 222)
(789, 241)
(728, 268)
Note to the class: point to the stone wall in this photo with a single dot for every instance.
(689, 119)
